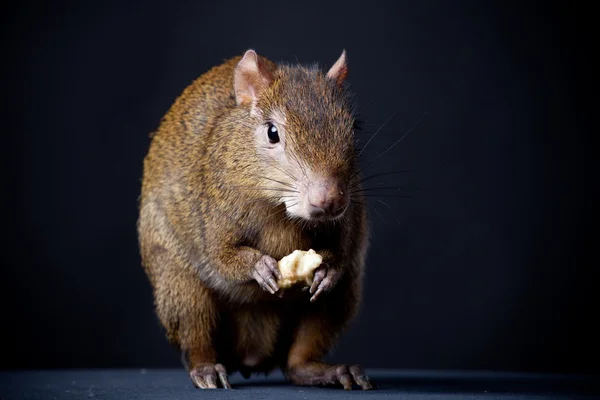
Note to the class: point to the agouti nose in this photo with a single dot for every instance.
(327, 197)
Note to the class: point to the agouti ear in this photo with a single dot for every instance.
(251, 77)
(339, 71)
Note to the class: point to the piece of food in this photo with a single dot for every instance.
(298, 267)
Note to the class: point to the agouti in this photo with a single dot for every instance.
(253, 161)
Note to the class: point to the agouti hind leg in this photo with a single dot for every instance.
(314, 337)
(188, 312)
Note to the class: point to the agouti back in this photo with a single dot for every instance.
(253, 161)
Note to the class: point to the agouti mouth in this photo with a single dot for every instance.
(322, 215)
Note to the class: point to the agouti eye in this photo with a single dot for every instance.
(272, 133)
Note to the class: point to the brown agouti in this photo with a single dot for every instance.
(253, 161)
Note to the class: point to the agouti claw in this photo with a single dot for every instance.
(360, 378)
(324, 280)
(222, 373)
(266, 274)
(317, 279)
(205, 376)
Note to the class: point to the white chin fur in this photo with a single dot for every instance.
(296, 209)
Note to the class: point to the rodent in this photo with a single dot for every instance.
(251, 162)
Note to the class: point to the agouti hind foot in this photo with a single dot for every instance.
(210, 376)
(319, 374)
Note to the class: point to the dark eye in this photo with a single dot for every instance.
(272, 133)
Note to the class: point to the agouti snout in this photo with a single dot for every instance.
(327, 198)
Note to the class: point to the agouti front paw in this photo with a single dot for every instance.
(266, 273)
(205, 376)
(324, 280)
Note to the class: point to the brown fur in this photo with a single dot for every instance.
(200, 236)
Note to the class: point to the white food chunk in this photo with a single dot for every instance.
(298, 267)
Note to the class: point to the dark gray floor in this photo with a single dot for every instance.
(174, 384)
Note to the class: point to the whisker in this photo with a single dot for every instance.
(363, 180)
(274, 180)
(298, 222)
(283, 209)
(376, 132)
(295, 157)
(357, 202)
(386, 195)
(268, 189)
(369, 104)
(385, 204)
(376, 188)
(292, 205)
(279, 168)
(376, 212)
(388, 206)
(394, 144)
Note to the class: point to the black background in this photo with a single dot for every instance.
(488, 263)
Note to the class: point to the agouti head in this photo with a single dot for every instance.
(302, 123)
